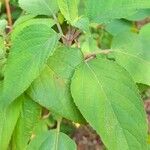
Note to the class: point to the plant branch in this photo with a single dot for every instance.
(92, 55)
(8, 11)
(57, 133)
(58, 25)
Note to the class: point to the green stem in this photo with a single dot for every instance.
(57, 133)
(92, 55)
(58, 25)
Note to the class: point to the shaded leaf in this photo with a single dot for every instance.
(51, 88)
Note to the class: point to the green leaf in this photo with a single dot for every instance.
(3, 24)
(30, 51)
(141, 14)
(47, 140)
(132, 52)
(88, 43)
(69, 8)
(2, 57)
(23, 19)
(0, 5)
(2, 50)
(29, 117)
(119, 25)
(83, 24)
(36, 21)
(51, 88)
(8, 120)
(41, 127)
(64, 61)
(101, 11)
(39, 7)
(109, 100)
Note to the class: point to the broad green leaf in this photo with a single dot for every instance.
(109, 100)
(8, 120)
(51, 88)
(29, 118)
(133, 53)
(139, 15)
(101, 11)
(23, 19)
(69, 8)
(48, 140)
(36, 21)
(39, 7)
(119, 25)
(30, 51)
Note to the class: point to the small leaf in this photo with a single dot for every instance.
(39, 7)
(47, 140)
(83, 24)
(69, 8)
(30, 51)
(51, 88)
(29, 117)
(109, 100)
(132, 52)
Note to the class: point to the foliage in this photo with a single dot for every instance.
(81, 60)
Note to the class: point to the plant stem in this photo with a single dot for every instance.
(58, 25)
(8, 11)
(57, 133)
(93, 54)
